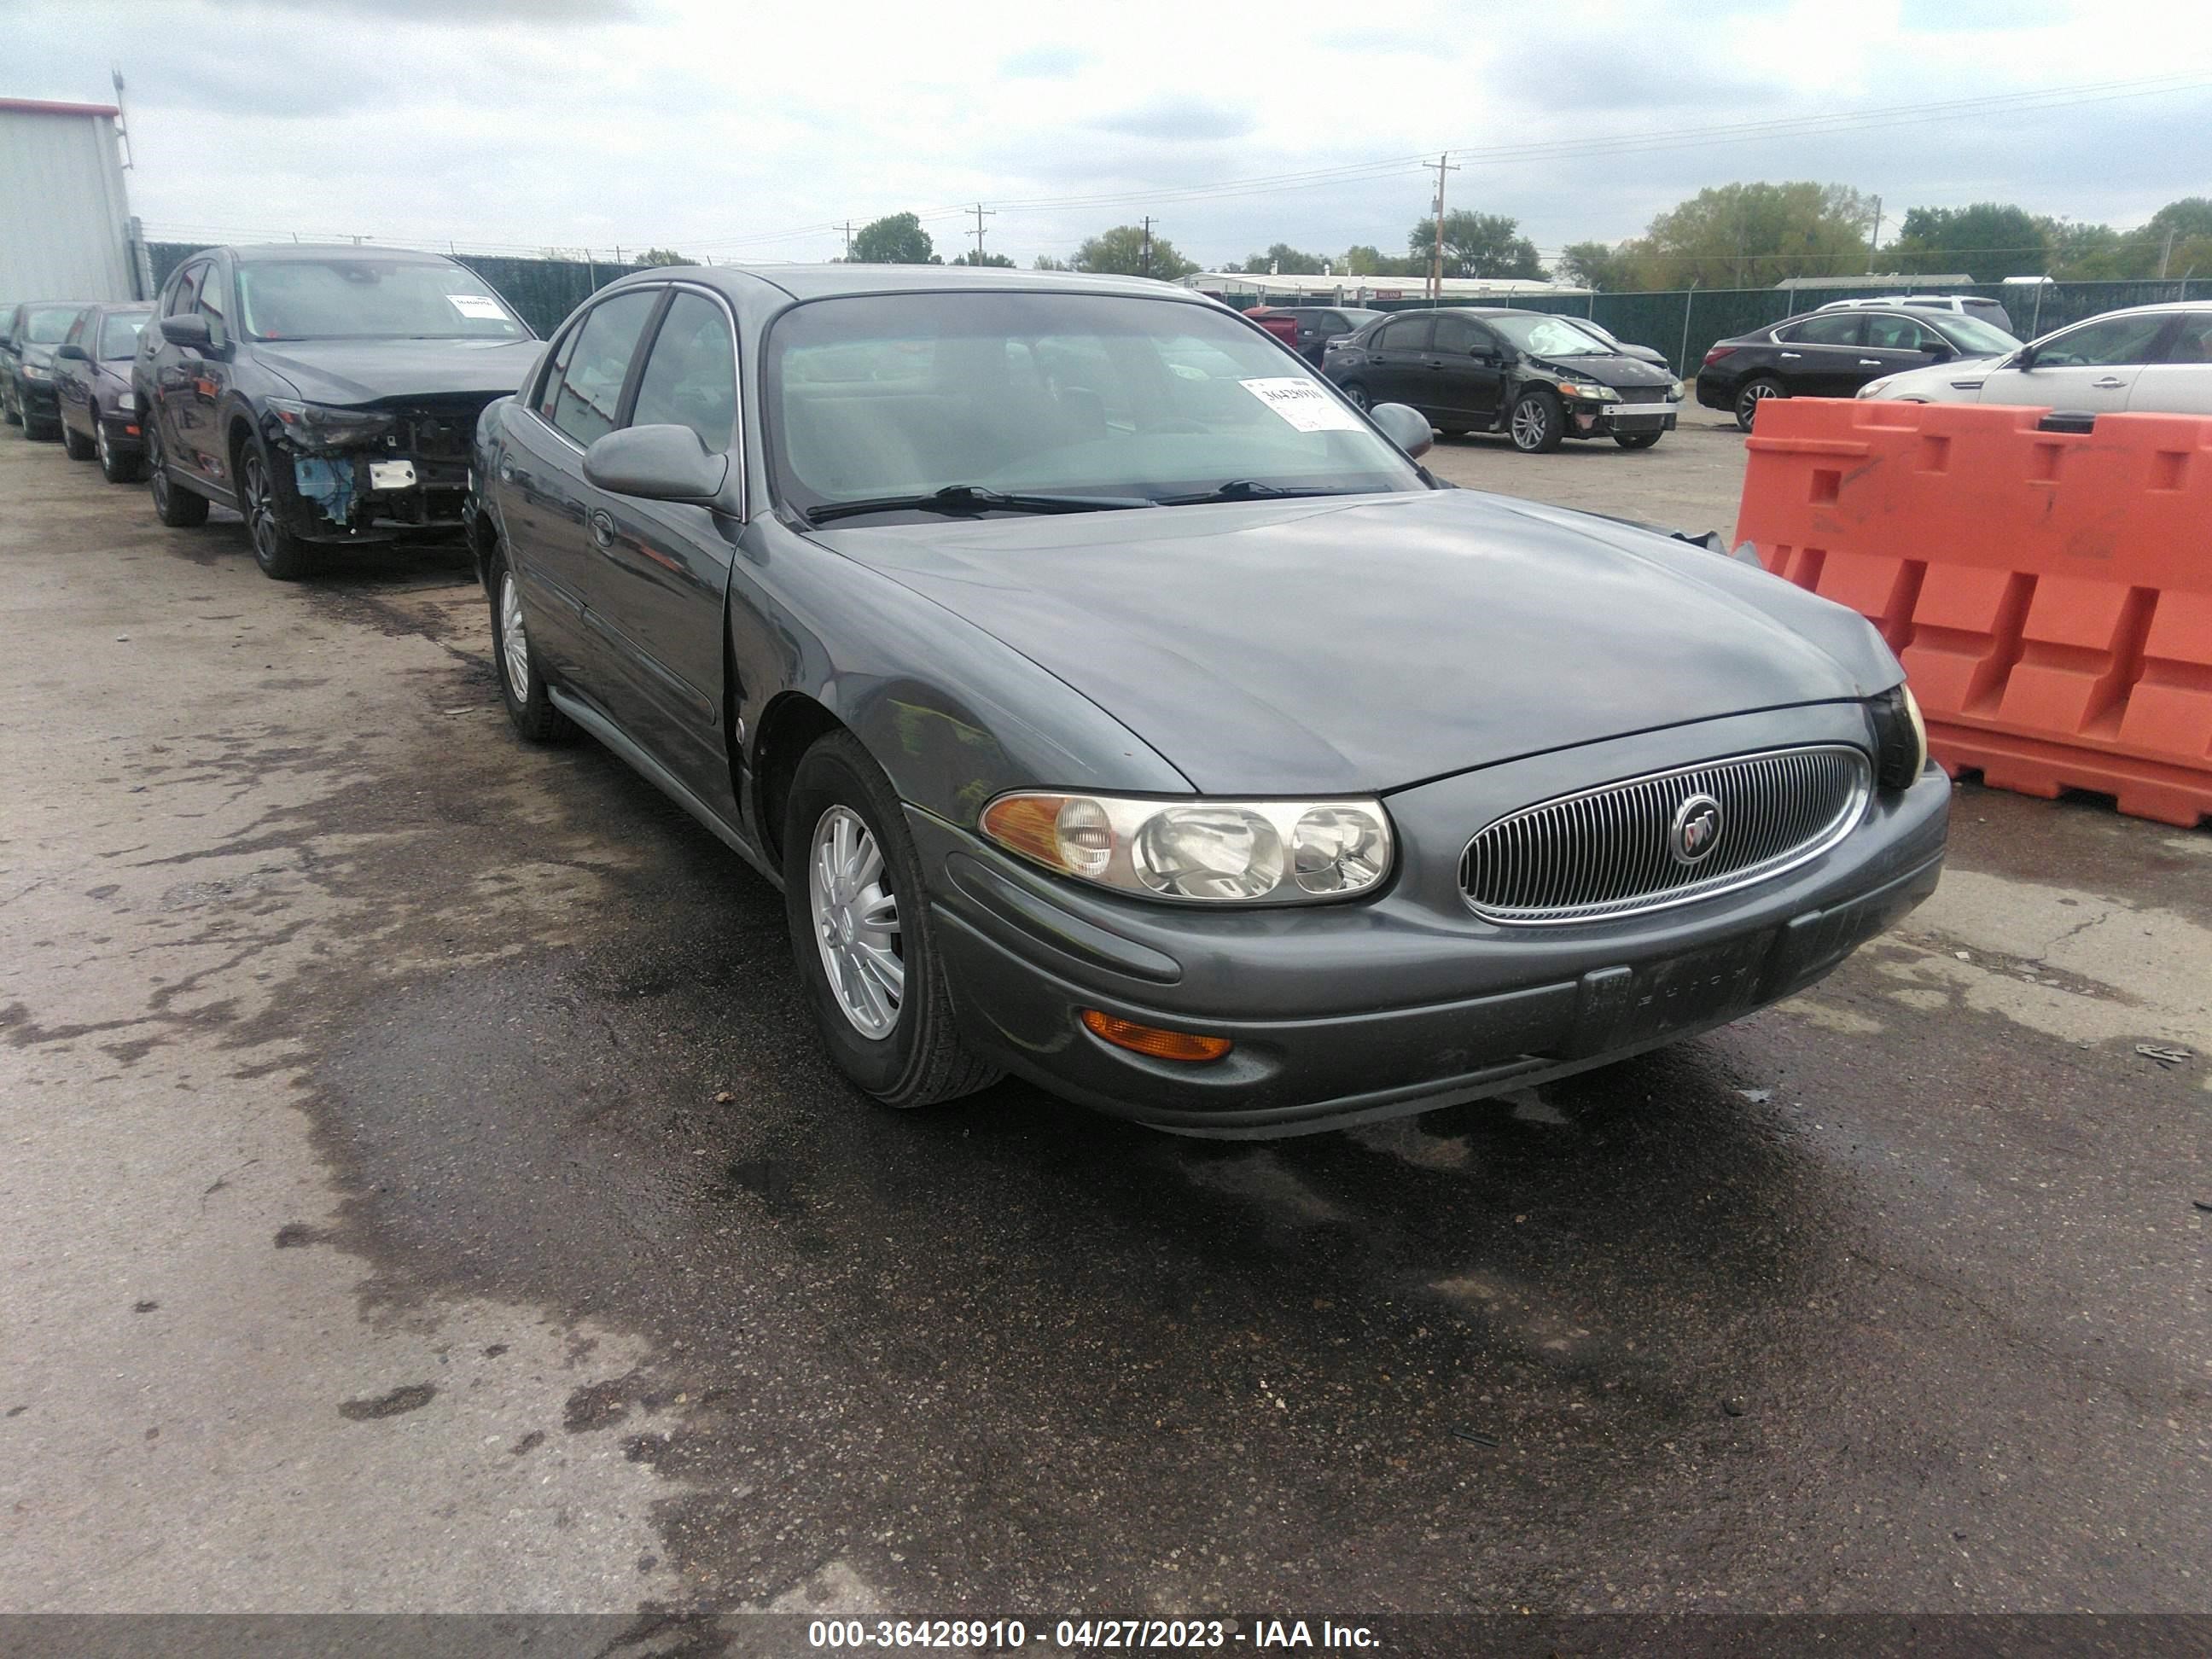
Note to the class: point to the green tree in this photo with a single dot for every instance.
(1285, 259)
(1753, 236)
(663, 255)
(1988, 241)
(2190, 220)
(896, 239)
(1598, 264)
(2097, 253)
(1046, 262)
(973, 257)
(1122, 252)
(1366, 259)
(1476, 244)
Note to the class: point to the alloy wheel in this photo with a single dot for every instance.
(261, 512)
(1748, 400)
(856, 921)
(1358, 395)
(157, 474)
(100, 446)
(513, 642)
(1530, 423)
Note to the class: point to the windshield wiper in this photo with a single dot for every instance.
(965, 500)
(1243, 489)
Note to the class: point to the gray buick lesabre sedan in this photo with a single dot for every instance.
(1117, 706)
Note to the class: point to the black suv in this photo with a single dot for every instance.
(1541, 378)
(1831, 354)
(327, 393)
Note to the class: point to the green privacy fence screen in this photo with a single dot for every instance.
(541, 291)
(1682, 324)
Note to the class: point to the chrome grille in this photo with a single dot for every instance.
(1604, 852)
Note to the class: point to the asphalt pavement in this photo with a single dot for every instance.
(426, 1193)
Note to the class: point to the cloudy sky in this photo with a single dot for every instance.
(746, 131)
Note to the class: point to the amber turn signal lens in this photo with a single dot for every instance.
(1151, 1040)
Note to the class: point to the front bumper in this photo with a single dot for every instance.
(1348, 1014)
(1593, 420)
(39, 400)
(125, 435)
(345, 495)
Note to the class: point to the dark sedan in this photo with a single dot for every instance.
(92, 379)
(1538, 378)
(1313, 327)
(28, 335)
(327, 393)
(1831, 354)
(1116, 705)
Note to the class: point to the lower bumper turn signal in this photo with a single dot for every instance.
(1152, 1040)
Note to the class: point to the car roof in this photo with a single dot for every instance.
(831, 281)
(280, 252)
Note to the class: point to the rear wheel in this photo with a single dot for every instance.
(1754, 391)
(281, 556)
(522, 683)
(174, 505)
(861, 929)
(1537, 423)
(75, 444)
(9, 412)
(1636, 439)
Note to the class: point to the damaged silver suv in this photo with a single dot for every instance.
(327, 393)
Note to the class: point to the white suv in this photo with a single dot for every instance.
(1969, 305)
(2149, 359)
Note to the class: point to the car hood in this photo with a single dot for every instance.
(1614, 368)
(1359, 644)
(43, 356)
(380, 371)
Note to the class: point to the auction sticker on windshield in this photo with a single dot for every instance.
(1303, 403)
(479, 306)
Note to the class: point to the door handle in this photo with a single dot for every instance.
(1792, 354)
(603, 528)
(2109, 383)
(1869, 363)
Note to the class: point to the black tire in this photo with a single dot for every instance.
(1451, 432)
(75, 444)
(1752, 393)
(530, 704)
(114, 466)
(281, 556)
(173, 505)
(1356, 393)
(1636, 439)
(9, 412)
(920, 1059)
(1537, 424)
(38, 431)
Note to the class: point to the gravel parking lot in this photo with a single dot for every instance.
(425, 1191)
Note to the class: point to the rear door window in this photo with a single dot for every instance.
(1410, 335)
(589, 396)
(1836, 328)
(2192, 341)
(1886, 333)
(2108, 343)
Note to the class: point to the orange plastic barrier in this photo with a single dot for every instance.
(2049, 592)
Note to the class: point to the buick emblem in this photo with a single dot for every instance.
(1696, 829)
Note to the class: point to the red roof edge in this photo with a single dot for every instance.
(39, 106)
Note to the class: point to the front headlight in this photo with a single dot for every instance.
(1223, 851)
(1874, 388)
(1676, 390)
(32, 372)
(324, 425)
(127, 402)
(1901, 739)
(1590, 389)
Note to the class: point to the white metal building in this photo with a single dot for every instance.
(64, 219)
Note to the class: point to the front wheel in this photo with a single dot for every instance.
(178, 509)
(75, 444)
(281, 556)
(522, 684)
(1636, 439)
(860, 927)
(114, 466)
(1357, 394)
(1754, 392)
(1537, 423)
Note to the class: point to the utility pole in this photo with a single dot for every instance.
(1443, 165)
(2165, 254)
(981, 214)
(1874, 242)
(123, 125)
(848, 241)
(1146, 262)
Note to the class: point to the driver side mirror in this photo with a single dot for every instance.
(2024, 359)
(1938, 353)
(1404, 426)
(74, 352)
(657, 463)
(188, 330)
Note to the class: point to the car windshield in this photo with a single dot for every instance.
(368, 300)
(45, 325)
(118, 334)
(1971, 334)
(884, 397)
(1550, 337)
